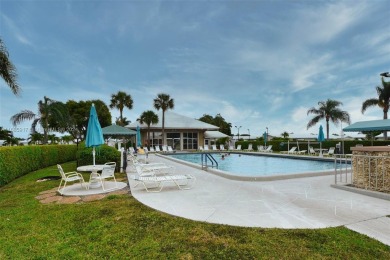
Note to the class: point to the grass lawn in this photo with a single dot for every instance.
(120, 227)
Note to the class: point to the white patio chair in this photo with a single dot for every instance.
(238, 147)
(69, 177)
(151, 149)
(108, 172)
(214, 147)
(206, 147)
(170, 149)
(200, 148)
(222, 147)
(231, 148)
(157, 148)
(260, 148)
(164, 149)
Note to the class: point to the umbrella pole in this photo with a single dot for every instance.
(320, 155)
(93, 155)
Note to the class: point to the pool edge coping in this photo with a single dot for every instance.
(251, 178)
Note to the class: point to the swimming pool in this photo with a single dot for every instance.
(261, 166)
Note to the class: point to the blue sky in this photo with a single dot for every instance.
(257, 63)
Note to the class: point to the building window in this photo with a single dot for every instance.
(190, 141)
(173, 140)
(155, 139)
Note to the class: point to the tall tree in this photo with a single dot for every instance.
(79, 115)
(163, 102)
(8, 70)
(383, 101)
(48, 110)
(121, 100)
(149, 118)
(328, 110)
(218, 120)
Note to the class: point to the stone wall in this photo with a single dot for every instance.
(371, 170)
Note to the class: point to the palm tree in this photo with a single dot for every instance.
(4, 133)
(8, 70)
(328, 110)
(121, 100)
(383, 101)
(48, 109)
(163, 102)
(149, 118)
(285, 134)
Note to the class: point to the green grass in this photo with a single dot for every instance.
(120, 227)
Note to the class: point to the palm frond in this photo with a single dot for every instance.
(314, 121)
(22, 116)
(369, 103)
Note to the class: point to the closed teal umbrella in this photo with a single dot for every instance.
(321, 138)
(265, 138)
(94, 135)
(138, 136)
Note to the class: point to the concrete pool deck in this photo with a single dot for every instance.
(292, 203)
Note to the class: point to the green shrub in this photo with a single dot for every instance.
(104, 153)
(16, 161)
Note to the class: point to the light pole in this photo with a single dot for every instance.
(238, 131)
(249, 133)
(385, 74)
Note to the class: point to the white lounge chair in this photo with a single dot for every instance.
(214, 147)
(157, 148)
(164, 149)
(312, 151)
(301, 152)
(260, 148)
(151, 149)
(108, 172)
(330, 152)
(291, 151)
(250, 148)
(200, 148)
(182, 181)
(222, 147)
(269, 149)
(206, 147)
(69, 177)
(238, 147)
(231, 147)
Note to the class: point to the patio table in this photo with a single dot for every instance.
(93, 181)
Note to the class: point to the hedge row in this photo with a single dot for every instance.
(16, 161)
(281, 145)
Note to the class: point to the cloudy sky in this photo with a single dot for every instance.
(257, 63)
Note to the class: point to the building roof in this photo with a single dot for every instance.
(116, 130)
(214, 135)
(176, 121)
(373, 125)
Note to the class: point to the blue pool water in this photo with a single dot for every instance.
(251, 165)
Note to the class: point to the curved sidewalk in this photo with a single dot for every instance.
(292, 203)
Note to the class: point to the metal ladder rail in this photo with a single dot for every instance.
(208, 156)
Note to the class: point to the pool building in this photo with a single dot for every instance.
(180, 132)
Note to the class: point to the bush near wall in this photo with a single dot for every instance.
(16, 161)
(281, 145)
(104, 153)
